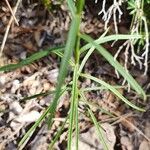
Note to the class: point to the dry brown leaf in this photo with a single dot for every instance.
(147, 129)
(144, 145)
(2, 146)
(128, 123)
(90, 140)
(109, 135)
(126, 143)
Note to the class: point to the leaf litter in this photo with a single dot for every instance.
(39, 29)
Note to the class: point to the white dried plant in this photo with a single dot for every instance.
(138, 27)
(114, 11)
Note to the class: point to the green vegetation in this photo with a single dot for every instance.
(75, 49)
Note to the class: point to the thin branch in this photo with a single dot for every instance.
(12, 12)
(8, 28)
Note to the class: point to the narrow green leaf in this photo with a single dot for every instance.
(94, 105)
(43, 94)
(88, 54)
(97, 125)
(57, 134)
(109, 38)
(36, 124)
(37, 95)
(74, 100)
(100, 88)
(112, 89)
(77, 124)
(99, 130)
(64, 63)
(60, 54)
(116, 65)
(30, 59)
(80, 5)
(90, 51)
(72, 7)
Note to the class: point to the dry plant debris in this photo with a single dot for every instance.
(39, 29)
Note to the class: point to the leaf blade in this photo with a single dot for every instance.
(112, 89)
(30, 59)
(116, 65)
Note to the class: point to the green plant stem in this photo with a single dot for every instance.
(77, 52)
(74, 99)
(70, 45)
(77, 123)
(73, 119)
(72, 7)
(79, 5)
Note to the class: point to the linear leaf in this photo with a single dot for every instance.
(99, 130)
(58, 134)
(36, 124)
(72, 7)
(105, 39)
(30, 59)
(112, 89)
(73, 109)
(116, 65)
(65, 63)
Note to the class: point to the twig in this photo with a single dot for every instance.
(124, 118)
(12, 12)
(8, 27)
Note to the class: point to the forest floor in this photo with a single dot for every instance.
(126, 129)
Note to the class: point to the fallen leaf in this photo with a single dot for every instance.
(90, 140)
(126, 143)
(144, 145)
(28, 117)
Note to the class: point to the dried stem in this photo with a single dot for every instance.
(8, 28)
(12, 12)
